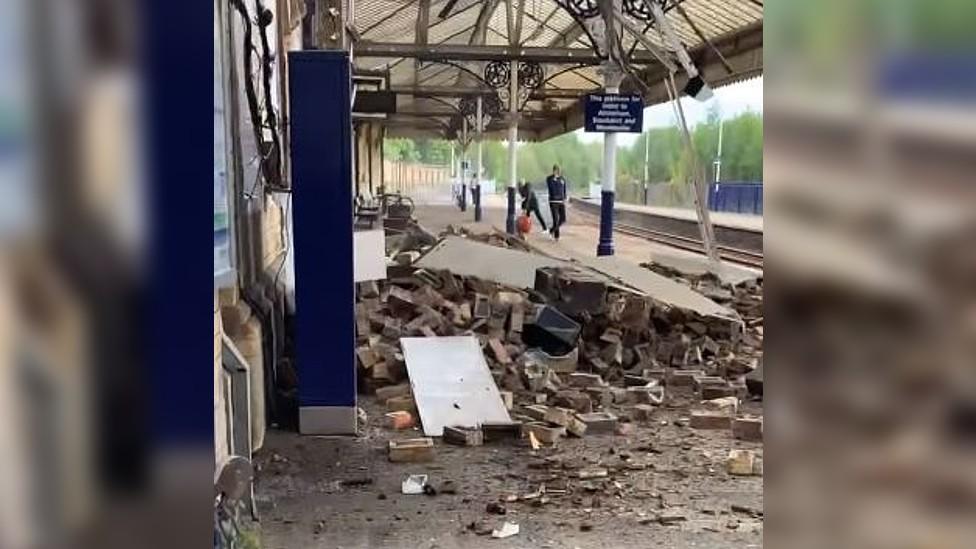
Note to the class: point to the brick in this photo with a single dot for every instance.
(404, 403)
(482, 306)
(707, 419)
(501, 430)
(634, 381)
(516, 319)
(648, 394)
(701, 382)
(399, 420)
(463, 436)
(612, 353)
(411, 450)
(540, 398)
(400, 301)
(508, 398)
(654, 373)
(580, 379)
(367, 357)
(575, 400)
(748, 428)
(683, 378)
(741, 462)
(558, 416)
(391, 328)
(643, 412)
(626, 429)
(728, 405)
(712, 392)
(368, 289)
(620, 395)
(535, 411)
(600, 396)
(544, 433)
(382, 371)
(498, 350)
(386, 393)
(576, 427)
(598, 423)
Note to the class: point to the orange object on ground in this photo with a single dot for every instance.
(399, 420)
(523, 224)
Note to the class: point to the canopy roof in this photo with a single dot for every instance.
(434, 53)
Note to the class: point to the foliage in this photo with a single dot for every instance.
(667, 160)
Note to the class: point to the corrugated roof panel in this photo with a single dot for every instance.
(456, 29)
(398, 27)
(369, 14)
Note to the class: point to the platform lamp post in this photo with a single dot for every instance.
(464, 159)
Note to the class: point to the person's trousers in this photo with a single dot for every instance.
(538, 215)
(558, 211)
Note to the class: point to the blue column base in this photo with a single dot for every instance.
(477, 203)
(464, 197)
(510, 218)
(605, 247)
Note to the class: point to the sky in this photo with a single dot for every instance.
(731, 100)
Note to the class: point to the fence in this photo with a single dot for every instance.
(736, 196)
(404, 177)
(732, 196)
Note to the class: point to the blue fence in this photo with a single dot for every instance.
(736, 196)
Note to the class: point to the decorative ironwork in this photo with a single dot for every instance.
(497, 74)
(582, 9)
(491, 105)
(468, 106)
(639, 9)
(530, 75)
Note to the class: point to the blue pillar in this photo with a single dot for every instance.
(325, 317)
(464, 197)
(510, 217)
(605, 247)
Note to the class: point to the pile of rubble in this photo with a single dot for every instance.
(575, 355)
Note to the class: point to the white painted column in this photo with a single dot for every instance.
(612, 75)
(512, 146)
(477, 177)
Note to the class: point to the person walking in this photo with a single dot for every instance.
(557, 200)
(530, 203)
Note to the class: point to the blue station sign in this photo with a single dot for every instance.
(611, 112)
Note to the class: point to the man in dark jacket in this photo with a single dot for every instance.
(557, 200)
(530, 204)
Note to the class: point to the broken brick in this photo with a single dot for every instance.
(558, 416)
(535, 411)
(507, 398)
(543, 432)
(741, 462)
(498, 350)
(399, 420)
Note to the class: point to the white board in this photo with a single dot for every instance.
(451, 383)
(369, 255)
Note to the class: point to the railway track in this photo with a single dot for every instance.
(735, 255)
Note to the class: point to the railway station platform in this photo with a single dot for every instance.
(435, 211)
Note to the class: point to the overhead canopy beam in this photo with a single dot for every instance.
(460, 52)
(456, 91)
